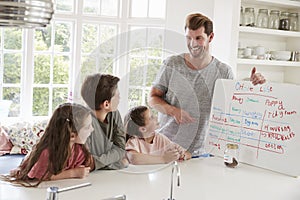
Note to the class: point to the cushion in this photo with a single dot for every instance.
(5, 144)
(24, 135)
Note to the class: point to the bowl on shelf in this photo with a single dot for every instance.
(281, 55)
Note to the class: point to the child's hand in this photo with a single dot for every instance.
(14, 172)
(125, 162)
(186, 156)
(171, 155)
(81, 172)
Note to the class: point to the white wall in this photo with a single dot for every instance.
(225, 28)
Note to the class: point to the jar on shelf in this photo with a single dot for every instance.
(262, 18)
(274, 19)
(293, 22)
(231, 155)
(241, 16)
(284, 22)
(249, 17)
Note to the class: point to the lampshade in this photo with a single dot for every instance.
(25, 13)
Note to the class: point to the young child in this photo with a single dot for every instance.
(144, 145)
(60, 153)
(107, 142)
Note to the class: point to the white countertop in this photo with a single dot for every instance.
(204, 179)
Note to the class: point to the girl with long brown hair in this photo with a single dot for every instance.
(61, 152)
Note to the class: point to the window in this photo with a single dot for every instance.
(12, 64)
(148, 8)
(44, 67)
(145, 58)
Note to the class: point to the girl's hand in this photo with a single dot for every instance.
(14, 172)
(80, 172)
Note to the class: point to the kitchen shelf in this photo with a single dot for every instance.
(271, 39)
(287, 4)
(270, 32)
(268, 62)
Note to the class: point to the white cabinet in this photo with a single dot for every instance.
(272, 40)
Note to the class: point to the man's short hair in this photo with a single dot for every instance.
(196, 20)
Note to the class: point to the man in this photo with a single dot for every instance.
(107, 142)
(182, 92)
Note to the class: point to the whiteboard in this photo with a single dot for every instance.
(264, 120)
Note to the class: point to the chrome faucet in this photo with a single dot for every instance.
(52, 192)
(119, 197)
(174, 167)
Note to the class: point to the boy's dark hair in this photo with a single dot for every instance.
(196, 20)
(98, 88)
(133, 120)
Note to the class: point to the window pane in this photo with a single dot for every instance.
(62, 37)
(1, 37)
(135, 96)
(153, 67)
(4, 108)
(60, 95)
(157, 8)
(108, 39)
(136, 71)
(40, 102)
(42, 69)
(109, 7)
(88, 66)
(13, 38)
(89, 38)
(138, 38)
(61, 70)
(13, 94)
(105, 65)
(91, 6)
(64, 6)
(42, 39)
(139, 8)
(12, 68)
(155, 38)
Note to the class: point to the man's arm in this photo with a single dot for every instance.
(157, 102)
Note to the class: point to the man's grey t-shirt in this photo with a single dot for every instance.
(192, 91)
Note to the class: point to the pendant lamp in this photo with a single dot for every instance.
(25, 13)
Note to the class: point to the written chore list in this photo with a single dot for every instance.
(264, 120)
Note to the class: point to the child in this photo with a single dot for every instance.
(107, 142)
(144, 145)
(60, 153)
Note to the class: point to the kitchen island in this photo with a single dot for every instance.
(201, 178)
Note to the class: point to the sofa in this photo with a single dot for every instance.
(19, 138)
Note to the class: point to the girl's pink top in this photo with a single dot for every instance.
(76, 159)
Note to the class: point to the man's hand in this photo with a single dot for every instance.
(257, 78)
(181, 116)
